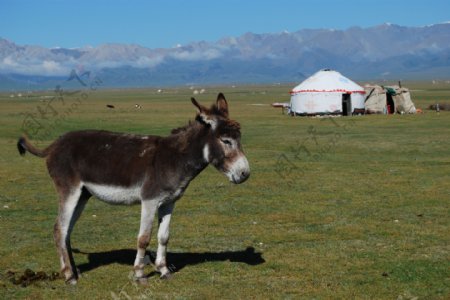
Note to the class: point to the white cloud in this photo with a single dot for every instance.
(147, 62)
(50, 67)
(208, 54)
(141, 62)
(43, 68)
(50, 64)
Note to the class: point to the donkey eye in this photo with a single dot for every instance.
(226, 142)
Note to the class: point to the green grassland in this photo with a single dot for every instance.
(344, 208)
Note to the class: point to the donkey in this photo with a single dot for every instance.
(151, 170)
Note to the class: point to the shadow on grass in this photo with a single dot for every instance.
(176, 261)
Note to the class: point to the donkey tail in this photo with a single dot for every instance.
(24, 145)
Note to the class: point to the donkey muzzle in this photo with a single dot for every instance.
(240, 170)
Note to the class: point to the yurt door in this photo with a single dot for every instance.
(346, 105)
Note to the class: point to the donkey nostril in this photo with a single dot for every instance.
(240, 177)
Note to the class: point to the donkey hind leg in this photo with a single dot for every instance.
(164, 214)
(70, 208)
(84, 197)
(148, 210)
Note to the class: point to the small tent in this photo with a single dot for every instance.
(327, 92)
(388, 100)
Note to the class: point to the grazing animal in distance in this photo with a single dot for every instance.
(137, 106)
(110, 106)
(151, 170)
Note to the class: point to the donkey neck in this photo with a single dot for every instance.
(188, 144)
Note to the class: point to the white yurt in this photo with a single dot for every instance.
(327, 92)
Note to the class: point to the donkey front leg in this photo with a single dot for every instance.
(148, 210)
(164, 214)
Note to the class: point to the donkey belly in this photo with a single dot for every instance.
(115, 194)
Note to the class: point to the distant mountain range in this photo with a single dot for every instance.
(382, 52)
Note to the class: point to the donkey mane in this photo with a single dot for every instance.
(184, 128)
(180, 137)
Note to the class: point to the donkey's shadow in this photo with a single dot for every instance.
(176, 261)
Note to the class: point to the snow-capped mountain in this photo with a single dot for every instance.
(384, 51)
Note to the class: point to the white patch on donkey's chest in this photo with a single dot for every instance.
(115, 194)
(206, 153)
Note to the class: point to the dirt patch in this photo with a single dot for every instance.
(29, 276)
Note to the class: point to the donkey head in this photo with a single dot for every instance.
(223, 147)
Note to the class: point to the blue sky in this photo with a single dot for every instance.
(156, 24)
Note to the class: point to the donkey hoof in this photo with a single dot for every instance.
(166, 276)
(142, 281)
(71, 281)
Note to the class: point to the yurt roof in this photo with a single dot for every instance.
(328, 81)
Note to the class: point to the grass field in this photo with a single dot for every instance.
(344, 208)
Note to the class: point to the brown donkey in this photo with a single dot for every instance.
(127, 169)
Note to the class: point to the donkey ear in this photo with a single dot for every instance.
(222, 105)
(204, 115)
(199, 107)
